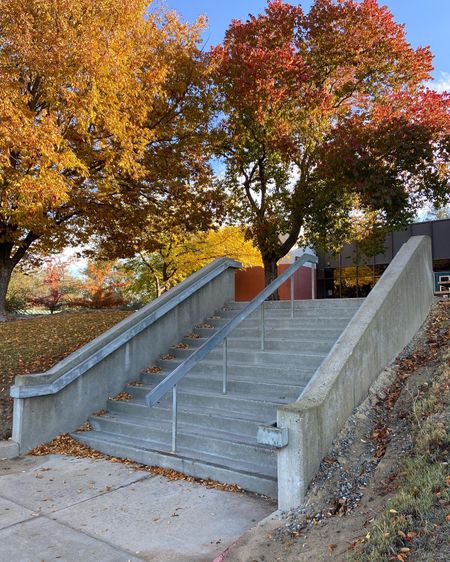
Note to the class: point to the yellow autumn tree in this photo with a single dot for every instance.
(180, 255)
(229, 242)
(87, 90)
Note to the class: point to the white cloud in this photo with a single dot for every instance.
(442, 84)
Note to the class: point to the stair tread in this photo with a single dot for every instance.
(184, 428)
(297, 318)
(255, 339)
(205, 411)
(257, 398)
(276, 328)
(304, 302)
(238, 466)
(231, 363)
(268, 353)
(184, 392)
(241, 378)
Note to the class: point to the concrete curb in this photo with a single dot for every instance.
(9, 449)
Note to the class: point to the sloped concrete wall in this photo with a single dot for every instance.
(60, 400)
(386, 322)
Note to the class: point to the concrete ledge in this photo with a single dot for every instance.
(73, 366)
(60, 400)
(8, 449)
(386, 322)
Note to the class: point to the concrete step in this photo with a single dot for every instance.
(235, 407)
(274, 332)
(290, 323)
(259, 404)
(270, 344)
(245, 423)
(240, 385)
(259, 370)
(286, 313)
(316, 304)
(164, 423)
(246, 357)
(256, 478)
(238, 373)
(193, 438)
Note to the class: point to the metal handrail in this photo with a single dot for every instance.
(171, 381)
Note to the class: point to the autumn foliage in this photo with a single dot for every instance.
(156, 269)
(326, 118)
(55, 287)
(92, 95)
(102, 287)
(111, 112)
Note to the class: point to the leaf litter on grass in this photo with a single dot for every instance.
(34, 345)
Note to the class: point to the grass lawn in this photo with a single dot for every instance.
(33, 345)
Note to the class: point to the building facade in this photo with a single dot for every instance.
(352, 274)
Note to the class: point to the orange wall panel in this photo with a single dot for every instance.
(250, 282)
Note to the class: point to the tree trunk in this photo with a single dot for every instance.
(9, 258)
(159, 289)
(5, 277)
(270, 274)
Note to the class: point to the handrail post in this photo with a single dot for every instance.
(313, 282)
(174, 418)
(225, 365)
(292, 296)
(262, 326)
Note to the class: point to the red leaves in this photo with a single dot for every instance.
(102, 287)
(260, 67)
(55, 284)
(339, 50)
(336, 95)
(393, 153)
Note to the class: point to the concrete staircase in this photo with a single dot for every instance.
(217, 432)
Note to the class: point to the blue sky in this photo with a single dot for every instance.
(427, 23)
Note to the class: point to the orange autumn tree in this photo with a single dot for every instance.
(325, 117)
(84, 95)
(102, 287)
(56, 286)
(175, 196)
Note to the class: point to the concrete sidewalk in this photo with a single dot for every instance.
(70, 509)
